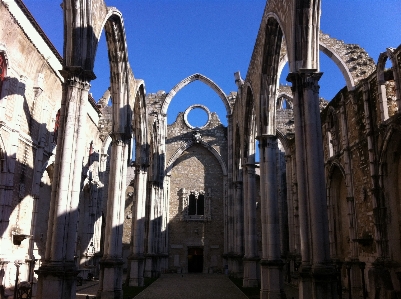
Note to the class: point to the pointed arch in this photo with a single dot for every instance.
(189, 80)
(381, 83)
(186, 146)
(352, 60)
(139, 124)
(269, 76)
(249, 126)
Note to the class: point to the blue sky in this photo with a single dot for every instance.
(168, 40)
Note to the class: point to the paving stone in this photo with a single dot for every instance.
(194, 286)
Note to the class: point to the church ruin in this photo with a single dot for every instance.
(96, 190)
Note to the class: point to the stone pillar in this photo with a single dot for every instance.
(317, 276)
(251, 257)
(57, 275)
(110, 280)
(271, 264)
(290, 204)
(228, 204)
(238, 229)
(137, 258)
(149, 257)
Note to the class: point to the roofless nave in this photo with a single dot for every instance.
(87, 188)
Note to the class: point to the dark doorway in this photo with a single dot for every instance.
(195, 260)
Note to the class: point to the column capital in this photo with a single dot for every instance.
(266, 140)
(305, 80)
(77, 71)
(119, 138)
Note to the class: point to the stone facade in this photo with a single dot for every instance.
(92, 190)
(196, 170)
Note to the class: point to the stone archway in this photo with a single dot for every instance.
(352, 60)
(82, 30)
(189, 80)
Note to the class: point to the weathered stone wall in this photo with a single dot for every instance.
(365, 150)
(29, 100)
(196, 169)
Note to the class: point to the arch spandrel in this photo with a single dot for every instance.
(189, 80)
(352, 60)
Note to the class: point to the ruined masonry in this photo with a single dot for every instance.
(90, 190)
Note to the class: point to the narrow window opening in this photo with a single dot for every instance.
(192, 205)
(200, 204)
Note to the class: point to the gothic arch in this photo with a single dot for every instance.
(337, 210)
(189, 80)
(187, 145)
(390, 178)
(81, 41)
(249, 126)
(333, 166)
(285, 92)
(352, 60)
(381, 82)
(269, 76)
(139, 124)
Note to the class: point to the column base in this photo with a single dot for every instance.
(235, 265)
(136, 275)
(250, 279)
(148, 267)
(381, 281)
(271, 279)
(324, 281)
(57, 280)
(305, 288)
(111, 275)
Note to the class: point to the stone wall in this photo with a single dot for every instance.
(196, 169)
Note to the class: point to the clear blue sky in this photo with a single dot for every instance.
(169, 40)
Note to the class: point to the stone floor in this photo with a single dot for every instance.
(194, 286)
(88, 288)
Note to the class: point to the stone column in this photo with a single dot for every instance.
(228, 205)
(317, 277)
(251, 257)
(238, 229)
(290, 204)
(271, 264)
(137, 258)
(57, 275)
(149, 257)
(110, 280)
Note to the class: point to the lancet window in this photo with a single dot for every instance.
(195, 205)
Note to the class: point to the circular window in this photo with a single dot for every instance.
(197, 116)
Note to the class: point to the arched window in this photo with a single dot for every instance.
(3, 70)
(195, 205)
